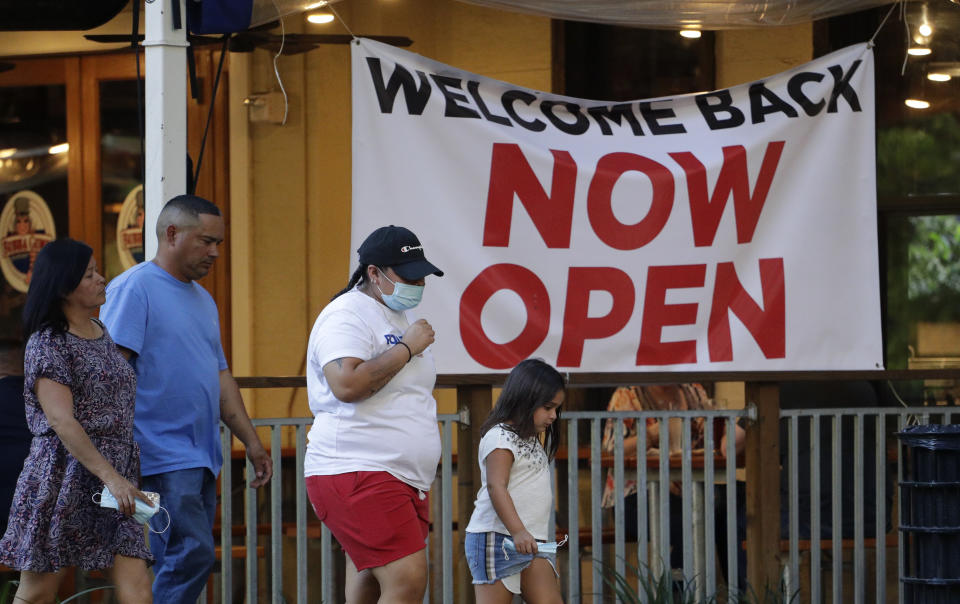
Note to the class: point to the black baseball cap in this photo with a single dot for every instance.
(398, 248)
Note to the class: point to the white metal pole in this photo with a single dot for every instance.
(165, 122)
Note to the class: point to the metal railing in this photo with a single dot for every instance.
(873, 433)
(269, 528)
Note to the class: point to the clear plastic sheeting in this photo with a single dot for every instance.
(265, 11)
(669, 14)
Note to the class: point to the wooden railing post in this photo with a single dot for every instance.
(763, 488)
(473, 404)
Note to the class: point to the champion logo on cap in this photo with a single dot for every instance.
(410, 248)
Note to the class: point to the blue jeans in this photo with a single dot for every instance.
(184, 553)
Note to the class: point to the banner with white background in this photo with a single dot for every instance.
(721, 231)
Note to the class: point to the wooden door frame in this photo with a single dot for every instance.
(81, 75)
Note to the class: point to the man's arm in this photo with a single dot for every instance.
(234, 414)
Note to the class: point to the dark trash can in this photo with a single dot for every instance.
(930, 514)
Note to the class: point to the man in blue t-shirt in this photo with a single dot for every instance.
(167, 325)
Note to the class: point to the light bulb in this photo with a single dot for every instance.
(320, 18)
(938, 77)
(918, 51)
(925, 30)
(690, 33)
(916, 104)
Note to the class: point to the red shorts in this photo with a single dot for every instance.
(375, 517)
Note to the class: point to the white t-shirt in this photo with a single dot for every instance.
(529, 484)
(395, 430)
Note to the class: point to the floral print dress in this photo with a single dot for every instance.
(54, 522)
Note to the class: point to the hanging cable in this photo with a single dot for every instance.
(276, 69)
(342, 22)
(213, 100)
(882, 23)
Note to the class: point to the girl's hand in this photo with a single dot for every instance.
(126, 495)
(524, 542)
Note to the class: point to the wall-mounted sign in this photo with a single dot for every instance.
(130, 228)
(26, 225)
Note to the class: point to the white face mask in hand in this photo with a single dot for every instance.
(549, 547)
(142, 513)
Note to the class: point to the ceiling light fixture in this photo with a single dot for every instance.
(918, 51)
(5, 153)
(690, 33)
(57, 149)
(320, 18)
(916, 104)
(314, 5)
(939, 77)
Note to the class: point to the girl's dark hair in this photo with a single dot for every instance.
(355, 278)
(531, 384)
(58, 270)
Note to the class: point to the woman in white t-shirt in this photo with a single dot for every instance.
(505, 541)
(374, 445)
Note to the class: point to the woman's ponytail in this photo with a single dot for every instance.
(357, 277)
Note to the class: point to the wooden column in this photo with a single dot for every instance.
(474, 404)
(763, 488)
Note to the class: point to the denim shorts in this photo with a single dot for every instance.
(489, 563)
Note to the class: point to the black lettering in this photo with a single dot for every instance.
(509, 97)
(474, 88)
(759, 110)
(613, 114)
(578, 127)
(841, 87)
(724, 104)
(416, 97)
(653, 116)
(450, 87)
(795, 89)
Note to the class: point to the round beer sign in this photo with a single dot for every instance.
(26, 225)
(130, 228)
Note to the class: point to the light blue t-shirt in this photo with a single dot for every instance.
(174, 330)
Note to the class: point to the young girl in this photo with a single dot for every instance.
(515, 499)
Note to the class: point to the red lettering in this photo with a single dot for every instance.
(578, 326)
(766, 325)
(733, 179)
(552, 215)
(536, 300)
(600, 208)
(657, 315)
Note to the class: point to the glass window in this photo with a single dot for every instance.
(613, 63)
(918, 184)
(122, 190)
(33, 188)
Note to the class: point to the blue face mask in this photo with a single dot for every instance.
(404, 296)
(142, 512)
(549, 547)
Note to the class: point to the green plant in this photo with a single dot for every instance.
(661, 588)
(652, 588)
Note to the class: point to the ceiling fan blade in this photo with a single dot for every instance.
(346, 38)
(111, 38)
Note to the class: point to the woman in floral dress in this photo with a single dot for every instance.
(79, 394)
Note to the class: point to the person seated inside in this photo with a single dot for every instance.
(676, 397)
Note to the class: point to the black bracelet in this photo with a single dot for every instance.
(409, 352)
